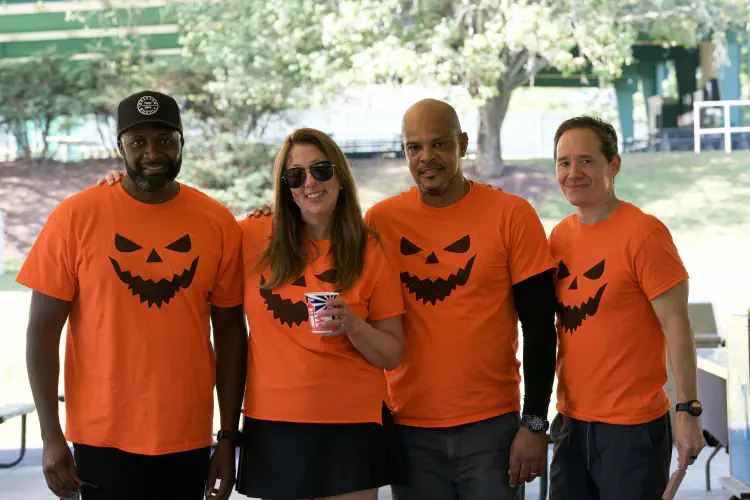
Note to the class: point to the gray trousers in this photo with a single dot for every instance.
(465, 462)
(598, 461)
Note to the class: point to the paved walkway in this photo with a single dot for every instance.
(25, 482)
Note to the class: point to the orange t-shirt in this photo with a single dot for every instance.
(139, 366)
(294, 375)
(458, 265)
(611, 363)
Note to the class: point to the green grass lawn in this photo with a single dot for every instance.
(8, 283)
(8, 280)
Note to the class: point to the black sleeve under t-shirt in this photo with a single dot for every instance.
(536, 304)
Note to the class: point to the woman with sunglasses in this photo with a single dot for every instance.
(315, 423)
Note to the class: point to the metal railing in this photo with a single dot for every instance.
(727, 129)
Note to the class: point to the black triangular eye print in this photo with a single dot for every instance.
(595, 272)
(123, 244)
(301, 281)
(562, 271)
(183, 245)
(408, 248)
(460, 246)
(329, 276)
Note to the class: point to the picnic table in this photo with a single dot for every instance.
(22, 410)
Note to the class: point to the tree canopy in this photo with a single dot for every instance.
(247, 62)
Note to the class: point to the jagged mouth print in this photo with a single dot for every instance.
(432, 291)
(573, 317)
(284, 310)
(152, 292)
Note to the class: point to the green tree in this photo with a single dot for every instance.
(222, 154)
(40, 91)
(264, 58)
(243, 65)
(105, 80)
(492, 47)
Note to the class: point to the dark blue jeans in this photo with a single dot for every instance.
(465, 462)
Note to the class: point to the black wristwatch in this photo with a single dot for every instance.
(693, 407)
(535, 423)
(235, 437)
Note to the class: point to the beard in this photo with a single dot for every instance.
(443, 187)
(153, 182)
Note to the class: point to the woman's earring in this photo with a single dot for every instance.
(341, 187)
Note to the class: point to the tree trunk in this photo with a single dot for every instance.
(45, 124)
(105, 132)
(22, 138)
(489, 163)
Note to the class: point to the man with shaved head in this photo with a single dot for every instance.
(473, 261)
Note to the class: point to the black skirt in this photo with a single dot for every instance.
(291, 460)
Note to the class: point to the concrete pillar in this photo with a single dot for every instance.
(649, 82)
(647, 71)
(729, 76)
(661, 74)
(625, 86)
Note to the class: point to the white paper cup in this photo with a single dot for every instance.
(316, 301)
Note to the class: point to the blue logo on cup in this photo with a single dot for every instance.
(316, 302)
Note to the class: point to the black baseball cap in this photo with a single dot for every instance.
(148, 107)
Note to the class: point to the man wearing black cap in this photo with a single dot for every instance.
(140, 272)
(141, 117)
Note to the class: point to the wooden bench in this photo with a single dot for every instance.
(8, 412)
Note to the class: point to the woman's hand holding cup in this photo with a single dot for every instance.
(335, 318)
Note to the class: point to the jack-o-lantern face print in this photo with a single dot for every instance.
(148, 290)
(573, 316)
(437, 290)
(287, 311)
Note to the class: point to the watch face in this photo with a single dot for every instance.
(696, 408)
(535, 423)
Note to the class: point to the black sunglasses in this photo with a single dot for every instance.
(320, 170)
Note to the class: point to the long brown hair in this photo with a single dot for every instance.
(287, 254)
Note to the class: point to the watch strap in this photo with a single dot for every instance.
(692, 407)
(235, 437)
